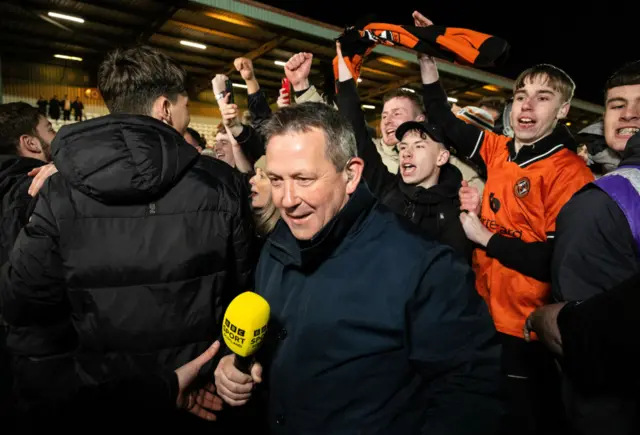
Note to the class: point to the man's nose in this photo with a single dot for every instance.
(290, 197)
(631, 112)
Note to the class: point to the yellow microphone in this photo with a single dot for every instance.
(245, 326)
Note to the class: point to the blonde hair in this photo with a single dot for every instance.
(268, 216)
(557, 79)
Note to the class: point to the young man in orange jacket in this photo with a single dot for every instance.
(530, 178)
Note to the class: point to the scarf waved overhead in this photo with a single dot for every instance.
(461, 46)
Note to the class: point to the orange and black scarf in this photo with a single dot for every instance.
(461, 46)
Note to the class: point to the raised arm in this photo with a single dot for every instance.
(375, 172)
(297, 70)
(250, 145)
(257, 100)
(465, 138)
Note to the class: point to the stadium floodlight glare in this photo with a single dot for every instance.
(66, 17)
(194, 45)
(64, 56)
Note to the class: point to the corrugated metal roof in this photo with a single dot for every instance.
(26, 33)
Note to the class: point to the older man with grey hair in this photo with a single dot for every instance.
(373, 329)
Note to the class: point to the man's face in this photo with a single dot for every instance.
(621, 115)
(395, 112)
(224, 149)
(179, 111)
(536, 109)
(305, 185)
(420, 156)
(45, 133)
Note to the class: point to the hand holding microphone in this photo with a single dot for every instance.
(244, 328)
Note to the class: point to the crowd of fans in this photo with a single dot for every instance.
(473, 270)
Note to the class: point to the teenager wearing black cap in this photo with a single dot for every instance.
(425, 190)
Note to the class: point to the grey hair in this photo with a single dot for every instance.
(302, 118)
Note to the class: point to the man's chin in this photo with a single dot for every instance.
(302, 234)
(301, 231)
(390, 141)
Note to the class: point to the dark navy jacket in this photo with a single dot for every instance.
(375, 330)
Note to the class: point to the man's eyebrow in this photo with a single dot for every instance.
(616, 100)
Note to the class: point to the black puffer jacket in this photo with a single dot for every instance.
(15, 207)
(16, 202)
(139, 241)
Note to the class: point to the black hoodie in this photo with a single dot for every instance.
(16, 202)
(435, 210)
(139, 241)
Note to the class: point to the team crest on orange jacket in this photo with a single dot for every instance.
(522, 187)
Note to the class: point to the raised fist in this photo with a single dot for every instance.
(245, 67)
(297, 70)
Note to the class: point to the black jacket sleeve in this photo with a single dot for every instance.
(594, 248)
(376, 174)
(532, 259)
(13, 219)
(244, 244)
(453, 235)
(453, 343)
(259, 108)
(33, 295)
(599, 339)
(251, 142)
(465, 138)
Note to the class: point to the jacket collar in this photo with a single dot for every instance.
(17, 165)
(559, 139)
(309, 254)
(449, 184)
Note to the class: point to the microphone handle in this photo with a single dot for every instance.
(243, 363)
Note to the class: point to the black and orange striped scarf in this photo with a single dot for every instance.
(462, 46)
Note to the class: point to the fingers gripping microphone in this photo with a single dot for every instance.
(245, 326)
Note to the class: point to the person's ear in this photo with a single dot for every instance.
(353, 173)
(161, 110)
(443, 157)
(30, 144)
(564, 111)
(421, 118)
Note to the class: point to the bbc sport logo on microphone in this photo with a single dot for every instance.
(245, 323)
(237, 336)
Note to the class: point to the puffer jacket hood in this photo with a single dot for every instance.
(122, 159)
